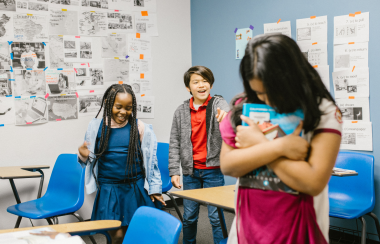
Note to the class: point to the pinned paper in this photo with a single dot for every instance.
(77, 94)
(236, 30)
(120, 82)
(251, 27)
(144, 13)
(313, 17)
(141, 56)
(141, 76)
(137, 35)
(278, 21)
(44, 43)
(45, 68)
(353, 69)
(47, 95)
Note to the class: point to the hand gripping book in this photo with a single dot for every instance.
(273, 125)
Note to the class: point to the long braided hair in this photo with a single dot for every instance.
(134, 149)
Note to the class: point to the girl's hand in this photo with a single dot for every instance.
(221, 115)
(247, 136)
(294, 146)
(159, 197)
(83, 150)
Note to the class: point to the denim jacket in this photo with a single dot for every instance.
(152, 184)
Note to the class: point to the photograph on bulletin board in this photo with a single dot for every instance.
(242, 38)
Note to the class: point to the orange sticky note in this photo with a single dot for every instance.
(137, 35)
(314, 43)
(353, 69)
(351, 15)
(354, 122)
(359, 12)
(141, 56)
(141, 76)
(351, 97)
(351, 43)
(143, 95)
(315, 66)
(120, 82)
(144, 13)
(278, 21)
(312, 17)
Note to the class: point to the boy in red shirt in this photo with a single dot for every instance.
(195, 144)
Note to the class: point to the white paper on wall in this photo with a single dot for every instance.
(145, 107)
(351, 84)
(30, 110)
(351, 28)
(146, 24)
(315, 53)
(354, 109)
(347, 56)
(114, 45)
(30, 27)
(313, 29)
(6, 26)
(324, 73)
(139, 44)
(63, 22)
(280, 28)
(357, 136)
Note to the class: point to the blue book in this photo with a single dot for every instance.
(273, 125)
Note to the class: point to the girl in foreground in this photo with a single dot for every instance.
(120, 161)
(275, 72)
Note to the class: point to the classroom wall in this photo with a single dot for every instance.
(213, 45)
(41, 144)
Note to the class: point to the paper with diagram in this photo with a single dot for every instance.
(149, 5)
(62, 107)
(29, 83)
(351, 28)
(315, 53)
(92, 23)
(120, 4)
(30, 110)
(116, 70)
(60, 81)
(120, 21)
(242, 38)
(145, 107)
(63, 22)
(9, 6)
(91, 4)
(65, 3)
(354, 109)
(146, 23)
(77, 49)
(56, 53)
(139, 66)
(114, 45)
(6, 26)
(348, 83)
(5, 57)
(89, 78)
(31, 28)
(279, 28)
(347, 56)
(313, 29)
(141, 84)
(324, 73)
(139, 44)
(89, 104)
(32, 6)
(357, 136)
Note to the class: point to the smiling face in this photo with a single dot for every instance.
(200, 88)
(122, 107)
(258, 87)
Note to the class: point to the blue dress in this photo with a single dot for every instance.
(117, 199)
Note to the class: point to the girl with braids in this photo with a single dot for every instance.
(119, 153)
(276, 73)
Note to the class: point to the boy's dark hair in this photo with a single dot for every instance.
(134, 149)
(203, 71)
(289, 80)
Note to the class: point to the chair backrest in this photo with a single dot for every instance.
(150, 225)
(163, 165)
(67, 181)
(358, 188)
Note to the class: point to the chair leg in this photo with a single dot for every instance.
(49, 221)
(108, 237)
(78, 217)
(18, 222)
(374, 217)
(93, 240)
(364, 233)
(175, 205)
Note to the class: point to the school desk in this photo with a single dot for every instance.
(79, 228)
(20, 172)
(221, 197)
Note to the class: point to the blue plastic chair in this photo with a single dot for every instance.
(352, 197)
(163, 165)
(64, 195)
(150, 225)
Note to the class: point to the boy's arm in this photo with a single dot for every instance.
(222, 109)
(223, 105)
(174, 146)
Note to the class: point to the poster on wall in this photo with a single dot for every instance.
(29, 83)
(89, 104)
(278, 28)
(114, 45)
(60, 82)
(56, 54)
(354, 109)
(139, 44)
(30, 28)
(242, 38)
(89, 78)
(313, 29)
(63, 22)
(315, 53)
(6, 26)
(347, 56)
(351, 28)
(357, 136)
(351, 83)
(28, 55)
(145, 107)
(146, 23)
(62, 107)
(31, 110)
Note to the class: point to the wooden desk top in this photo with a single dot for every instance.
(78, 227)
(14, 172)
(222, 196)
